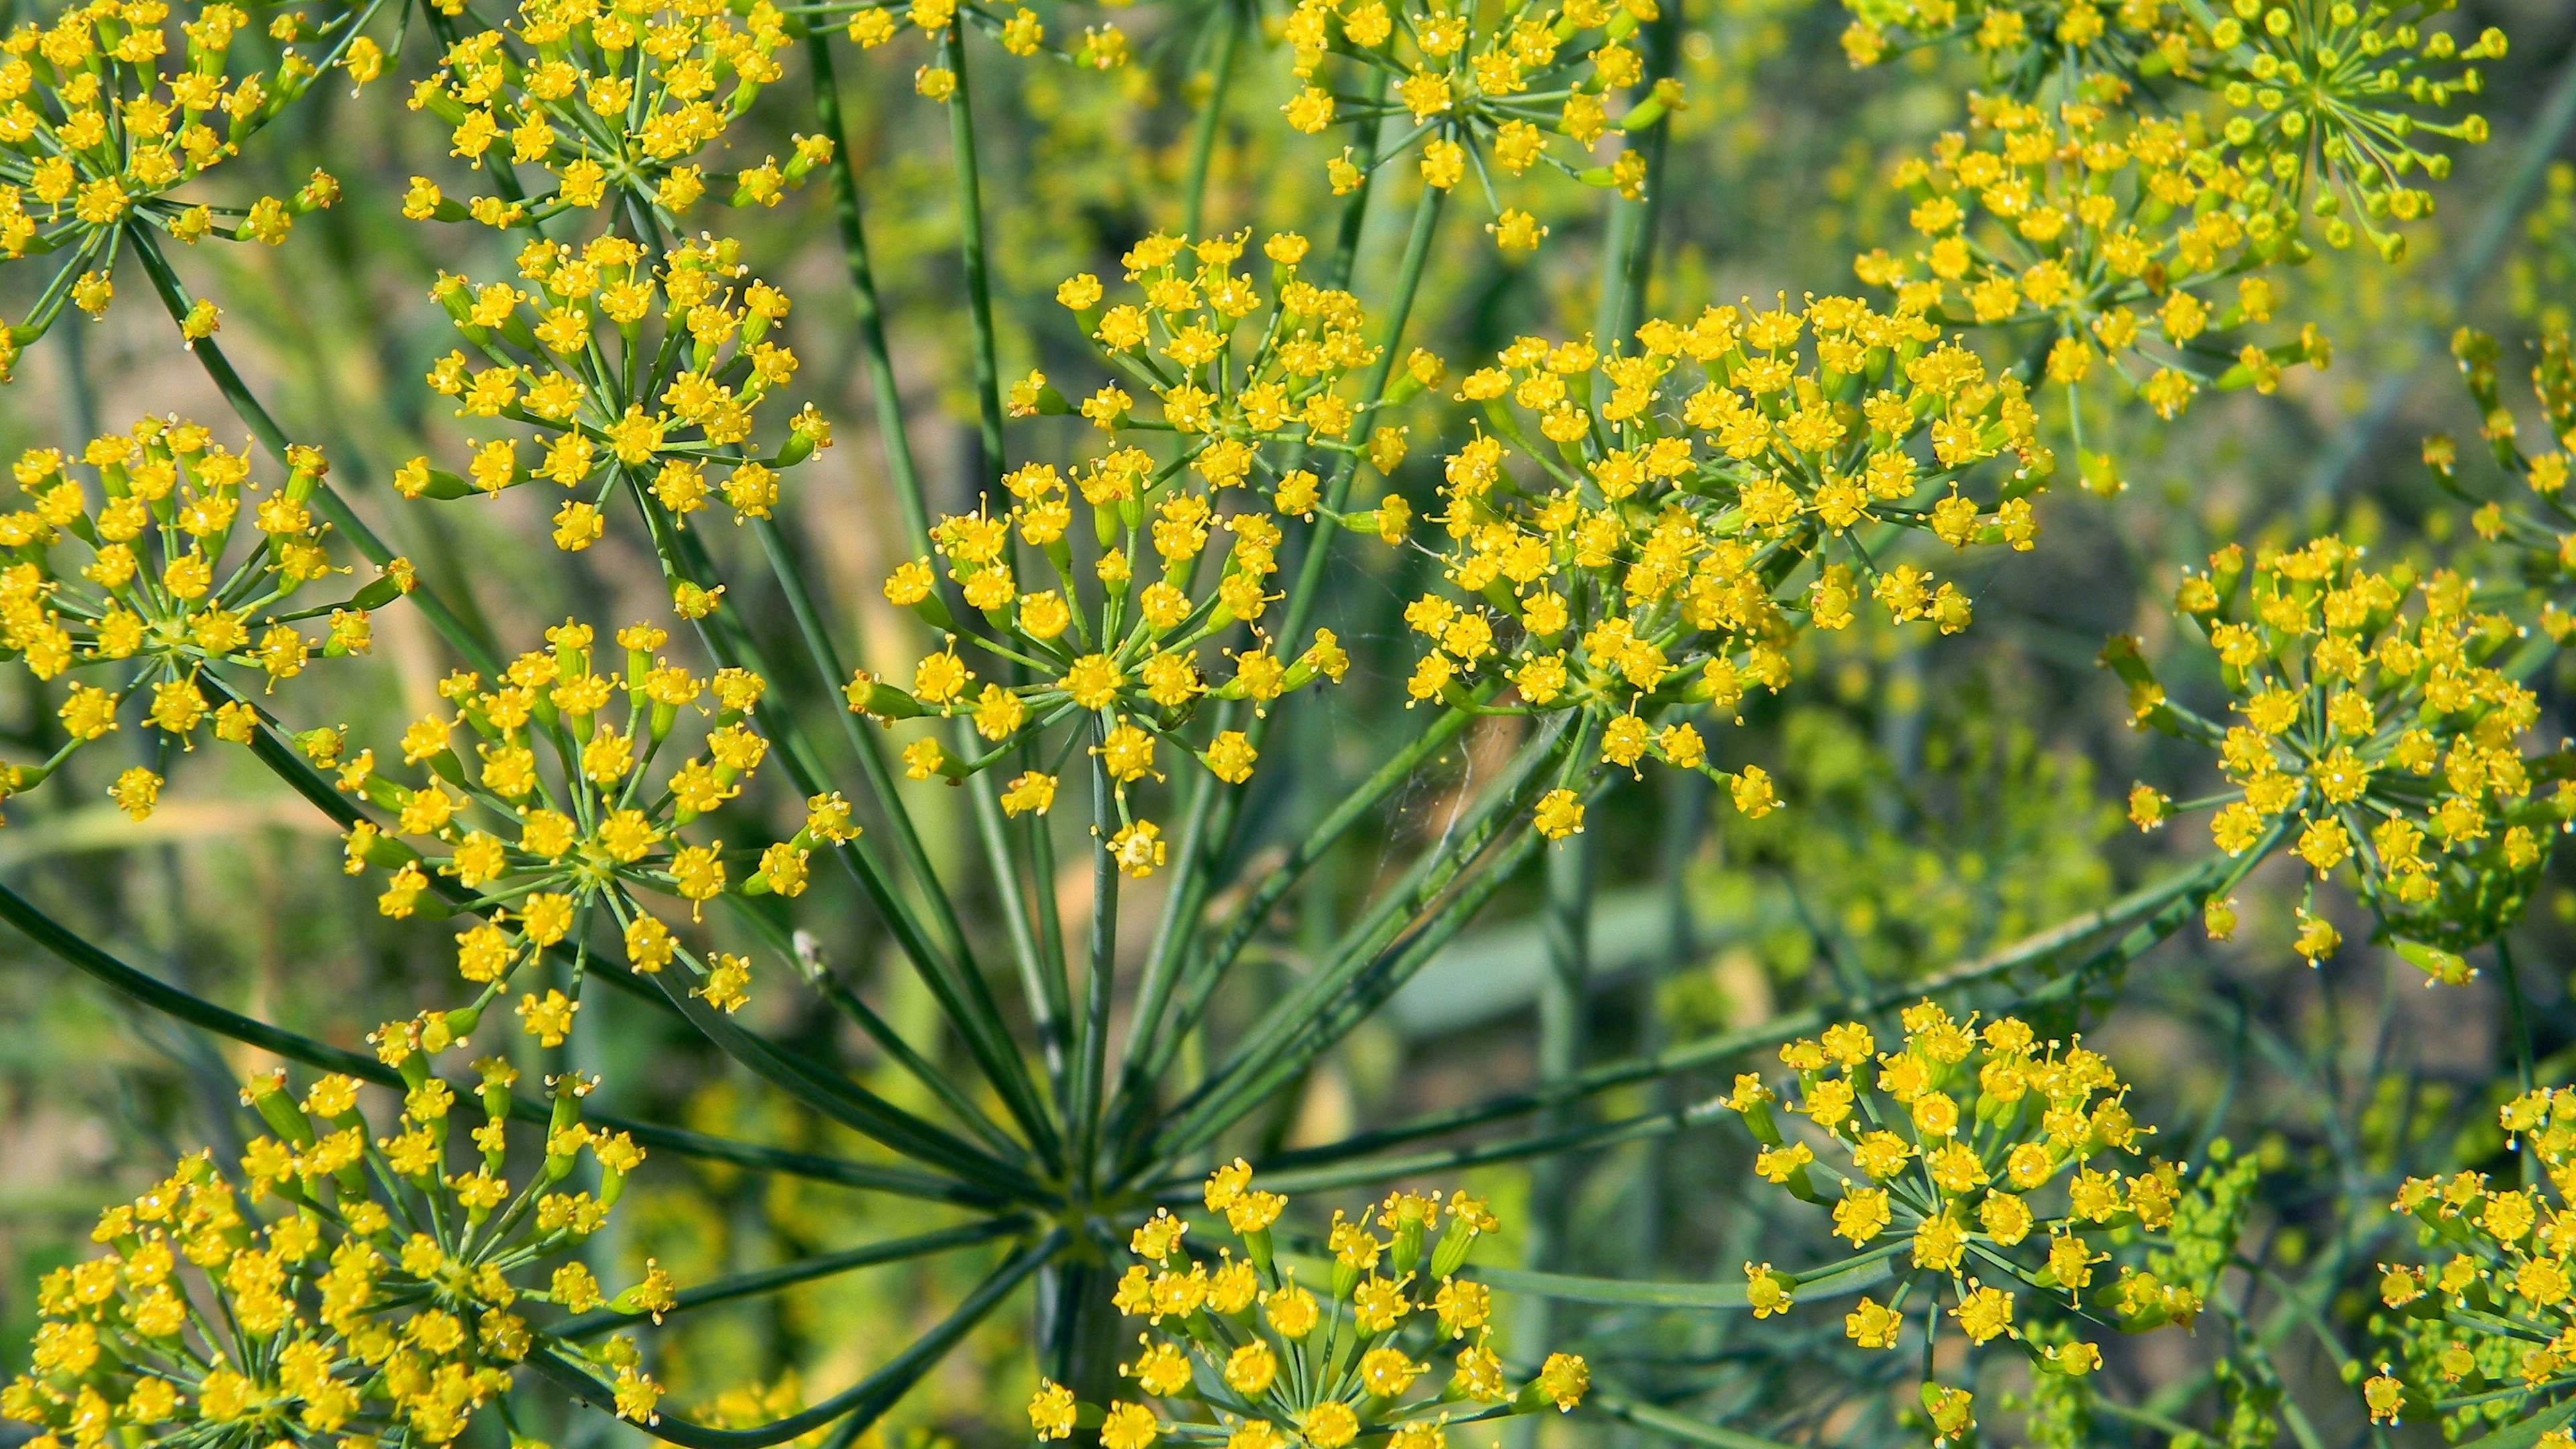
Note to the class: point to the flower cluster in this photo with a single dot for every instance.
(1991, 1158)
(107, 110)
(2375, 725)
(184, 570)
(1245, 1355)
(355, 1287)
(1015, 27)
(2321, 105)
(637, 371)
(2120, 232)
(2333, 100)
(1478, 88)
(1633, 570)
(1123, 640)
(2494, 1322)
(614, 101)
(568, 812)
(2540, 526)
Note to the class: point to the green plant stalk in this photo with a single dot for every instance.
(1198, 986)
(965, 999)
(1408, 281)
(1310, 571)
(874, 356)
(803, 1270)
(1211, 117)
(2188, 888)
(826, 662)
(2517, 1022)
(880, 1031)
(1376, 977)
(1091, 1039)
(1036, 987)
(1368, 123)
(1296, 1030)
(868, 1399)
(877, 360)
(74, 950)
(971, 249)
(1318, 550)
(1672, 1424)
(1151, 1047)
(834, 1097)
(1563, 1023)
(219, 369)
(1208, 830)
(846, 1102)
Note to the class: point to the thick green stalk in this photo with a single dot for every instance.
(1151, 1046)
(2162, 907)
(1211, 117)
(803, 1270)
(475, 650)
(74, 950)
(874, 356)
(1308, 1021)
(867, 1400)
(826, 661)
(1091, 1039)
(957, 982)
(1319, 544)
(1564, 994)
(970, 241)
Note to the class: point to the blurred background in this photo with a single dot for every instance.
(1947, 796)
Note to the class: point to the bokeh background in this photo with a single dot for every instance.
(1947, 796)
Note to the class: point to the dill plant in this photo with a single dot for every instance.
(1615, 541)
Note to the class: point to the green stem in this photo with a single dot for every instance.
(874, 356)
(1100, 980)
(1151, 1046)
(1408, 281)
(1346, 238)
(475, 650)
(1210, 118)
(803, 1270)
(1308, 1021)
(866, 1400)
(76, 951)
(2517, 1016)
(979, 293)
(1562, 998)
(2163, 907)
(954, 979)
(826, 661)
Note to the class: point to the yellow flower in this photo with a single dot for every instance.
(1128, 1426)
(1564, 1378)
(1138, 849)
(1559, 814)
(1051, 1410)
(1330, 1425)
